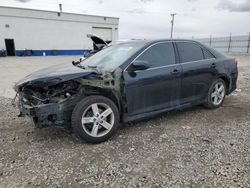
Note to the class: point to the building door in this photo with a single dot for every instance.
(10, 47)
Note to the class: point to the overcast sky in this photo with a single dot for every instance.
(151, 18)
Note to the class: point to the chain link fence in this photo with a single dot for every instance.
(231, 43)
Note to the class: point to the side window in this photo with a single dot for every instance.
(207, 54)
(189, 51)
(159, 55)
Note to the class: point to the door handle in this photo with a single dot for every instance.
(213, 65)
(175, 71)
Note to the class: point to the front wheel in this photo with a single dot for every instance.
(216, 94)
(95, 119)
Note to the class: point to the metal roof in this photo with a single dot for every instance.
(51, 11)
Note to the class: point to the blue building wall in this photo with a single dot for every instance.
(50, 52)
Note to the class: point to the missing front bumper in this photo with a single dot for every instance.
(43, 115)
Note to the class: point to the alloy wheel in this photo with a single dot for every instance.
(218, 93)
(98, 119)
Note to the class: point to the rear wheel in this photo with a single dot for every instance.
(95, 119)
(216, 94)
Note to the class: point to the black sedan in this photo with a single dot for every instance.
(125, 82)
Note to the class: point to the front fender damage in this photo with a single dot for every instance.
(108, 84)
(54, 105)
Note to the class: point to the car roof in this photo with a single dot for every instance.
(149, 41)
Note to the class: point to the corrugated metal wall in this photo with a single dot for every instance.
(228, 44)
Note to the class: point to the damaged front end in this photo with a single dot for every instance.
(52, 101)
(48, 105)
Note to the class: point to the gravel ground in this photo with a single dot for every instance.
(195, 147)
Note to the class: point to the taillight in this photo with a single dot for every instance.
(236, 61)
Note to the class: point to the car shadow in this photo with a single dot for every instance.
(64, 135)
(57, 134)
(164, 116)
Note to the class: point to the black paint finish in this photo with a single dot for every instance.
(184, 84)
(147, 90)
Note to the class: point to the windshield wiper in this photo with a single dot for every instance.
(94, 68)
(81, 66)
(88, 67)
(75, 63)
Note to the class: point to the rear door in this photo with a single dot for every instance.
(199, 70)
(157, 87)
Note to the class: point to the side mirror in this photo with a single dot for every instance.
(139, 65)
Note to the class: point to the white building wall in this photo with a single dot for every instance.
(45, 30)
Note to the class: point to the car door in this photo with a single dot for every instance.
(158, 86)
(199, 70)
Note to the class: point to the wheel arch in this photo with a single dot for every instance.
(226, 80)
(108, 93)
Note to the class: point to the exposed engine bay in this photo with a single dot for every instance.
(49, 104)
(37, 96)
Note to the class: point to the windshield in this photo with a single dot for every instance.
(112, 56)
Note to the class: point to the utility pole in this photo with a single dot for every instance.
(60, 10)
(210, 40)
(248, 44)
(60, 7)
(172, 24)
(229, 43)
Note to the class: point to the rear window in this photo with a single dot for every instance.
(207, 54)
(189, 51)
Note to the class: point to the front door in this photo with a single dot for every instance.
(157, 87)
(10, 47)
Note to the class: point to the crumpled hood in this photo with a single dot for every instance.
(53, 75)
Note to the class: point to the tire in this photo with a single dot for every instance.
(90, 123)
(216, 92)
